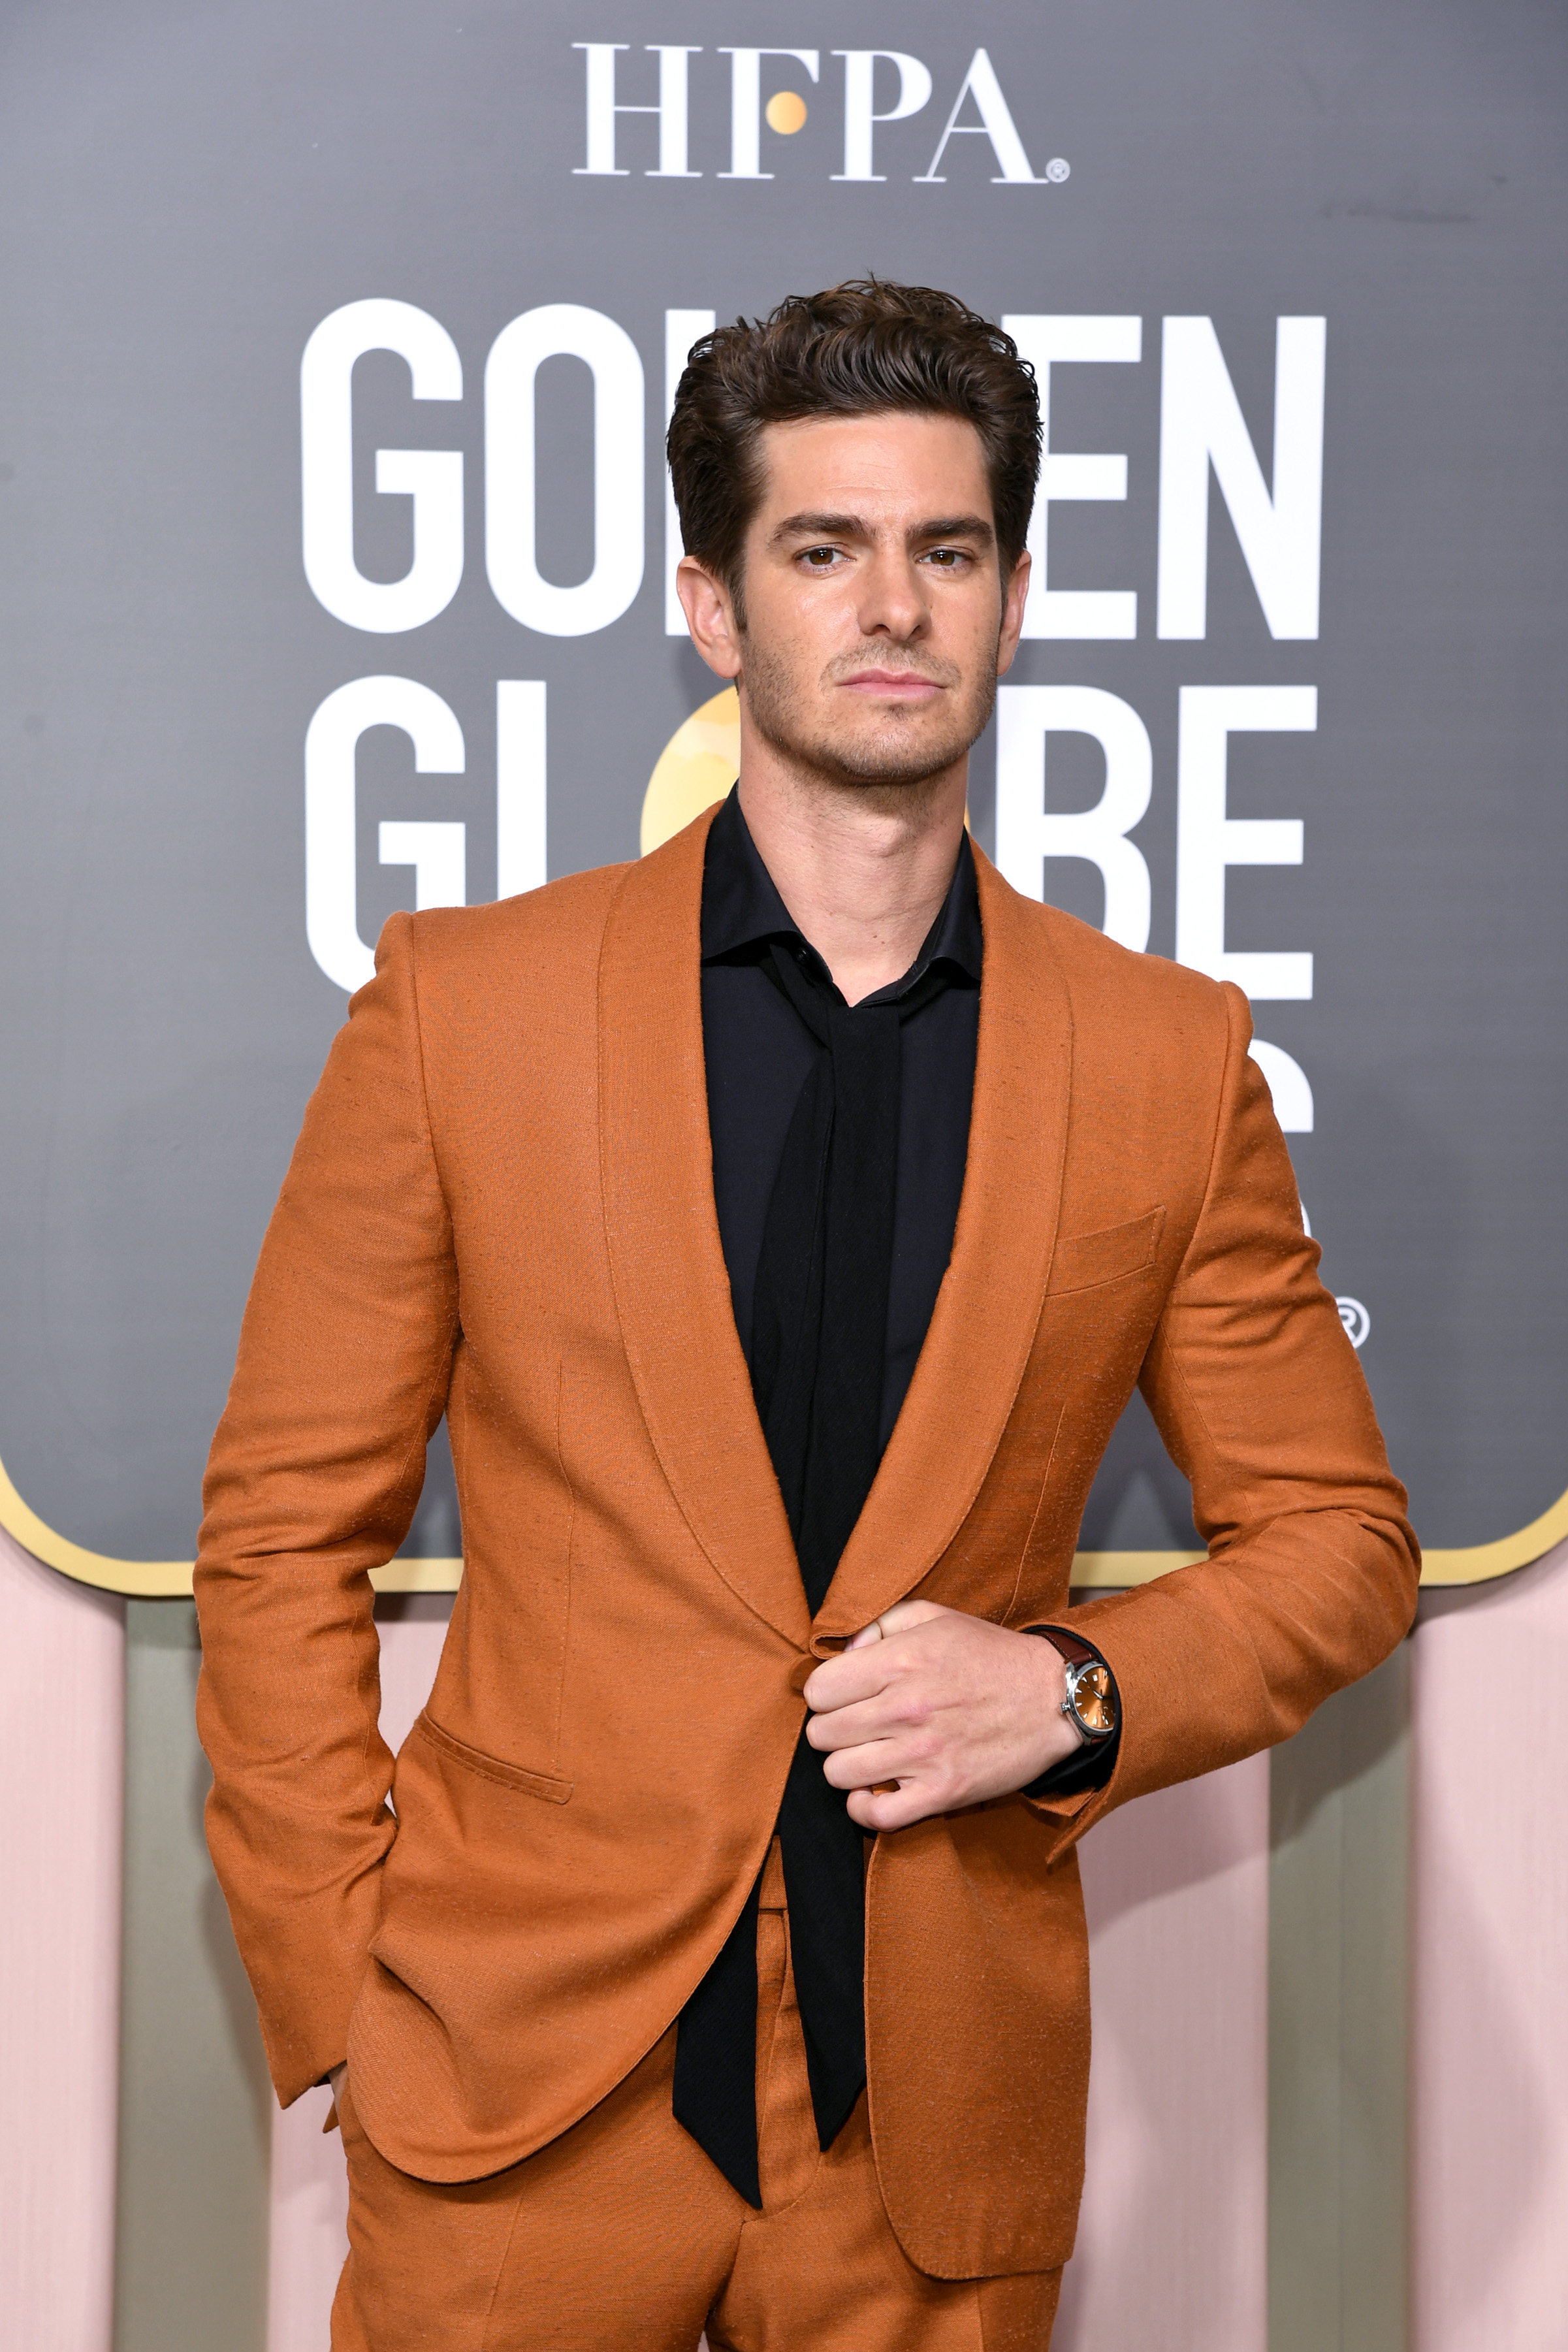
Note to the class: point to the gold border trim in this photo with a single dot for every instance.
(1469, 1564)
(169, 1580)
(1092, 1571)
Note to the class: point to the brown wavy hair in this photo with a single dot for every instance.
(862, 349)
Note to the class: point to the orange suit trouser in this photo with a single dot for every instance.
(621, 2236)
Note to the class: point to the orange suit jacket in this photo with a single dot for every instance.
(501, 1209)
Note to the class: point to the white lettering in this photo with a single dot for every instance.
(746, 106)
(860, 117)
(516, 357)
(331, 917)
(1047, 340)
(1028, 834)
(996, 123)
(672, 110)
(682, 329)
(431, 478)
(438, 855)
(520, 804)
(1201, 425)
(1207, 840)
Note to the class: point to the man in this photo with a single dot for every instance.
(782, 1224)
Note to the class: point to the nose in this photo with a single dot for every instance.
(893, 602)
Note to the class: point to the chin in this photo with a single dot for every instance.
(890, 761)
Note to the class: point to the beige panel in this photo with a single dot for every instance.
(1338, 2024)
(190, 2271)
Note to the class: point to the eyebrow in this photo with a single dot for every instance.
(847, 526)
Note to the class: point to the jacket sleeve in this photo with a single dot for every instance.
(1313, 1564)
(344, 1363)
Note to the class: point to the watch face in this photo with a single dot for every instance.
(1092, 1702)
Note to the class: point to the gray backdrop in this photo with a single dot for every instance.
(186, 191)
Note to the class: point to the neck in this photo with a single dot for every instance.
(863, 869)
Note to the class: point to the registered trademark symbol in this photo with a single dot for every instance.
(1356, 1320)
(1057, 170)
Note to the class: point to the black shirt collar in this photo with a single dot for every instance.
(743, 914)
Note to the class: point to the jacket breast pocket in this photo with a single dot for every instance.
(543, 1785)
(1088, 1261)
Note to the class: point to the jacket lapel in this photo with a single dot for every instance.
(994, 1291)
(672, 1289)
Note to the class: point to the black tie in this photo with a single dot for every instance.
(818, 1346)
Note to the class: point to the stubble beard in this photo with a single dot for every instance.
(893, 761)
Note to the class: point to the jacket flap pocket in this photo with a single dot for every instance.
(1084, 1261)
(493, 1767)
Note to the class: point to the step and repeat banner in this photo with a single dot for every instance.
(338, 340)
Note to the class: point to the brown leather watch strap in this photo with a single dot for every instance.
(1076, 1653)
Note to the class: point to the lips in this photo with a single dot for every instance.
(901, 684)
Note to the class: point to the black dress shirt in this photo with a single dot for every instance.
(794, 1082)
(759, 1053)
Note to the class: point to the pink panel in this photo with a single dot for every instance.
(1491, 1966)
(62, 1708)
(309, 2226)
(309, 2191)
(1172, 2239)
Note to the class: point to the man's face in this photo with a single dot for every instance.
(876, 618)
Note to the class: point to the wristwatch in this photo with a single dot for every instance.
(1090, 1700)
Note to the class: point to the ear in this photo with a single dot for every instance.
(710, 616)
(1013, 613)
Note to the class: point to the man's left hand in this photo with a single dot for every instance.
(951, 1707)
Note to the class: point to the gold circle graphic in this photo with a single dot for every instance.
(785, 112)
(696, 768)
